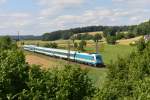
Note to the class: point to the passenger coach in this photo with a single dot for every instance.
(90, 59)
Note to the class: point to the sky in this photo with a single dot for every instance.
(35, 17)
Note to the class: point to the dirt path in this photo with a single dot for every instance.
(48, 62)
(42, 60)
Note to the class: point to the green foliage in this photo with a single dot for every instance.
(129, 35)
(20, 81)
(84, 37)
(7, 43)
(82, 45)
(13, 73)
(111, 39)
(97, 37)
(71, 83)
(128, 78)
(141, 45)
(73, 39)
(111, 31)
(120, 35)
(75, 45)
(51, 45)
(57, 35)
(133, 30)
(143, 28)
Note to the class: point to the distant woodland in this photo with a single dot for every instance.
(133, 30)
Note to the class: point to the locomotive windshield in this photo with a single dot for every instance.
(98, 57)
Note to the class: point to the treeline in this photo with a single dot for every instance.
(25, 37)
(66, 34)
(141, 29)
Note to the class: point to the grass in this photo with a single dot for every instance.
(112, 52)
(98, 75)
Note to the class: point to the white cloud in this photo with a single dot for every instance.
(133, 3)
(60, 2)
(15, 21)
(97, 17)
(2, 1)
(52, 7)
(52, 15)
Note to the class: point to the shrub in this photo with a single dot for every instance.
(129, 77)
(82, 45)
(111, 39)
(129, 35)
(51, 45)
(120, 35)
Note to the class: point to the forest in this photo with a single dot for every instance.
(133, 30)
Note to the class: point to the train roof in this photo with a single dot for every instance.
(59, 50)
(51, 49)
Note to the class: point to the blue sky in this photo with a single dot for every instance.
(35, 17)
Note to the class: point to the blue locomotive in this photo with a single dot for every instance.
(90, 59)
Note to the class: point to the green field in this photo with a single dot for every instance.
(111, 52)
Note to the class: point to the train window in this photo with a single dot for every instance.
(92, 57)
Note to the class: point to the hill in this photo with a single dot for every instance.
(141, 29)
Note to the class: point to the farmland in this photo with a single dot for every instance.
(108, 52)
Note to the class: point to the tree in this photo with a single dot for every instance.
(111, 39)
(75, 45)
(140, 29)
(141, 45)
(73, 39)
(96, 39)
(7, 43)
(51, 45)
(13, 73)
(82, 45)
(120, 35)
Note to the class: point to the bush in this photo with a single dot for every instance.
(111, 39)
(13, 73)
(134, 43)
(51, 45)
(7, 43)
(129, 35)
(82, 45)
(120, 36)
(129, 78)
(71, 83)
(141, 45)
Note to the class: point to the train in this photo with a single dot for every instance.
(93, 59)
